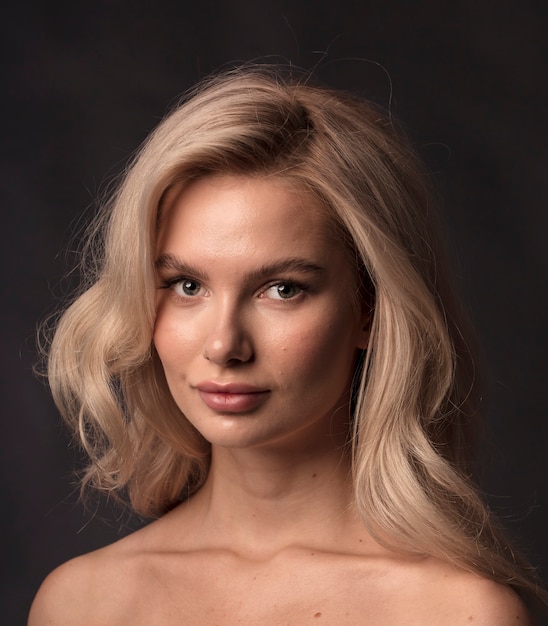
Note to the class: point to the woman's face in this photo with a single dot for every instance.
(256, 327)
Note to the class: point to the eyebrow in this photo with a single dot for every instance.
(292, 264)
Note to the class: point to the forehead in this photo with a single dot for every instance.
(223, 210)
(229, 228)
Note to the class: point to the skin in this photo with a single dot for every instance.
(272, 537)
(256, 303)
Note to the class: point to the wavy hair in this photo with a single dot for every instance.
(414, 395)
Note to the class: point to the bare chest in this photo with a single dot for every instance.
(310, 589)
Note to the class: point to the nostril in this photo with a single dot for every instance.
(228, 347)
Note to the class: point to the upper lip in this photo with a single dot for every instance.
(211, 386)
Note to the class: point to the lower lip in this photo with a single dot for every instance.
(233, 402)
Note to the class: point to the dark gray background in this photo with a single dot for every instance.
(85, 82)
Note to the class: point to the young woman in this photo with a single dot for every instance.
(268, 359)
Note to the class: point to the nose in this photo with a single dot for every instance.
(228, 341)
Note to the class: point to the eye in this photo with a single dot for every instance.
(187, 287)
(283, 291)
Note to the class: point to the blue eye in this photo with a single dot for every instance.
(283, 291)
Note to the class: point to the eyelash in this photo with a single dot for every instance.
(299, 287)
(171, 284)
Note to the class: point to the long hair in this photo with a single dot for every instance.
(414, 399)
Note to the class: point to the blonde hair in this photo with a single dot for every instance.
(415, 400)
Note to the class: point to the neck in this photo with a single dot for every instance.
(261, 501)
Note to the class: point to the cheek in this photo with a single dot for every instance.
(162, 333)
(319, 354)
(168, 339)
(175, 328)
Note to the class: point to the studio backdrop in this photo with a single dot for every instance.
(84, 83)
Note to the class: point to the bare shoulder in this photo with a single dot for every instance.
(461, 597)
(89, 590)
(71, 593)
(498, 604)
(60, 593)
(492, 604)
(113, 585)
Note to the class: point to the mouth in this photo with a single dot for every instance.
(231, 397)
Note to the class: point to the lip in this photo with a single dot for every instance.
(231, 397)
